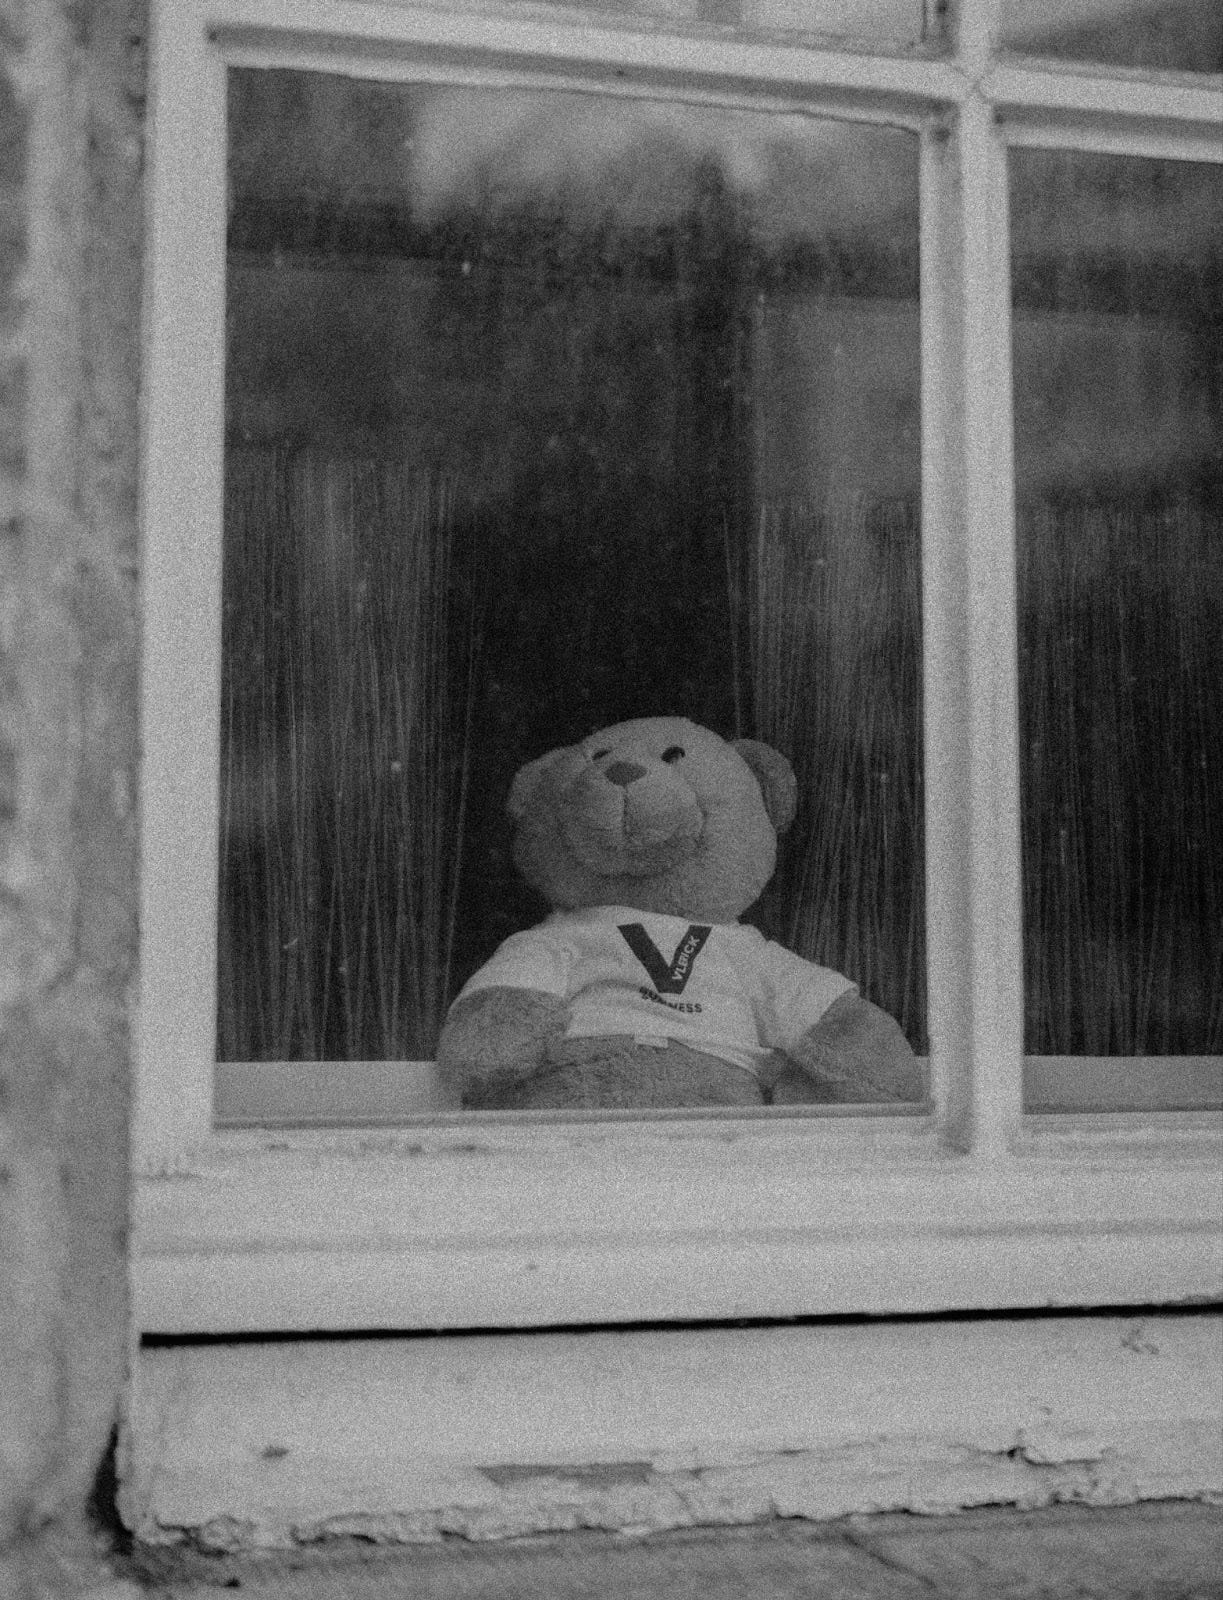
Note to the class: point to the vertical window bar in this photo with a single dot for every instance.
(944, 658)
(181, 493)
(975, 23)
(991, 703)
(974, 931)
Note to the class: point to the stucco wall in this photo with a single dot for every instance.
(71, 86)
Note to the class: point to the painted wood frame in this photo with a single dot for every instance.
(489, 1436)
(520, 1221)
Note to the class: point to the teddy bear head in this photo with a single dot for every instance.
(658, 814)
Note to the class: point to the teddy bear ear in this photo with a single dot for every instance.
(526, 781)
(776, 778)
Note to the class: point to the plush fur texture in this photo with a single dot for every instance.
(659, 815)
(694, 835)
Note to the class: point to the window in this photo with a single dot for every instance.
(856, 229)
(547, 410)
(1119, 470)
(1179, 34)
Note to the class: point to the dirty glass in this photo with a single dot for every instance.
(545, 410)
(1118, 299)
(888, 24)
(894, 23)
(1178, 35)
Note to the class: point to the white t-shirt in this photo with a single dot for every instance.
(722, 988)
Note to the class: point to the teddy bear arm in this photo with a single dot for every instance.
(497, 1037)
(855, 1052)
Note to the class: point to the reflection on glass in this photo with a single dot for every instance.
(891, 22)
(1178, 35)
(1119, 438)
(544, 411)
(894, 23)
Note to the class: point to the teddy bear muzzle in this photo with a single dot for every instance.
(631, 818)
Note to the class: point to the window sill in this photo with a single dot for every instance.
(400, 1439)
(498, 1223)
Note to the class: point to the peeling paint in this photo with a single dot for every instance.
(595, 1474)
(498, 1436)
(901, 1475)
(182, 1165)
(1135, 1338)
(1045, 1447)
(657, 1515)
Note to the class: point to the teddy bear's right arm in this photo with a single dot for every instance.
(829, 1041)
(855, 1052)
(496, 1039)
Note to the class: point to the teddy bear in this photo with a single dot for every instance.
(649, 839)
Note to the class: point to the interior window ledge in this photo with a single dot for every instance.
(551, 1135)
(346, 1236)
(875, 1142)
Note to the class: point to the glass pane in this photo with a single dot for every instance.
(546, 411)
(1119, 440)
(890, 23)
(879, 22)
(1178, 35)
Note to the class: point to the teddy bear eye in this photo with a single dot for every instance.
(673, 752)
(599, 754)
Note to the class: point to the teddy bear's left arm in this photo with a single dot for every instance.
(855, 1052)
(830, 1043)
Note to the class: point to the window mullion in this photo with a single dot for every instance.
(1104, 100)
(181, 515)
(970, 674)
(1171, 143)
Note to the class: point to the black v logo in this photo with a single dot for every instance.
(666, 979)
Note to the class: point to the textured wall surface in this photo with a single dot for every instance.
(71, 86)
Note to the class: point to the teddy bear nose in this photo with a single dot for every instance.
(623, 773)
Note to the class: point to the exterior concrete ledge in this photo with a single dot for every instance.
(490, 1437)
(1158, 1549)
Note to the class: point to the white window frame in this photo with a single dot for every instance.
(510, 1221)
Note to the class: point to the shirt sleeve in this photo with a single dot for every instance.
(534, 959)
(797, 993)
